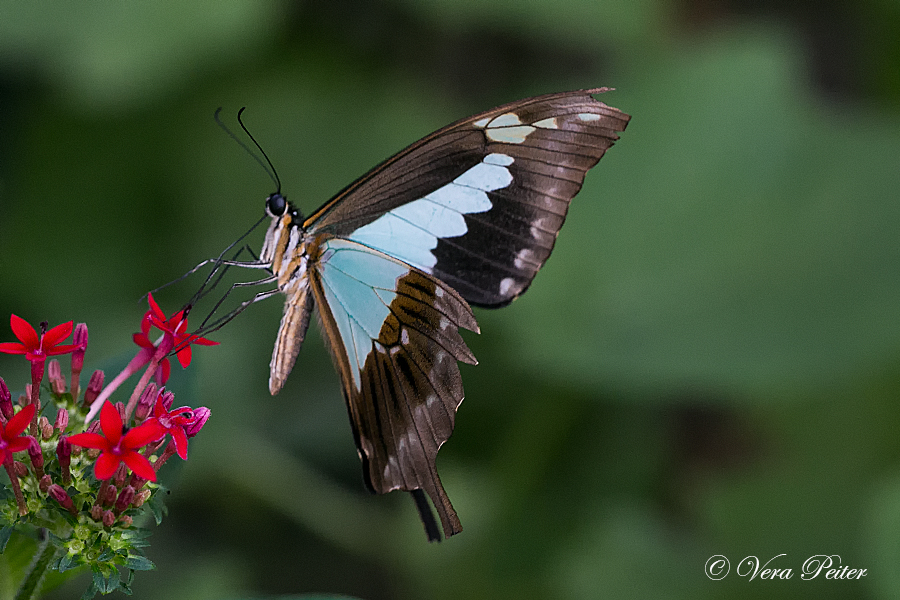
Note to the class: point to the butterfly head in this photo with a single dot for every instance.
(276, 204)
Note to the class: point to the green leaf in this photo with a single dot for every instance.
(5, 533)
(157, 506)
(68, 562)
(106, 579)
(106, 555)
(139, 563)
(125, 586)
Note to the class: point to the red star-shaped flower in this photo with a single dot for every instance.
(174, 330)
(116, 448)
(37, 348)
(179, 422)
(10, 442)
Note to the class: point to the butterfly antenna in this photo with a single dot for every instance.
(271, 170)
(267, 166)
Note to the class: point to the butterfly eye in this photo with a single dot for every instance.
(276, 204)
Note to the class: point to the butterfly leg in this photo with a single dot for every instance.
(207, 328)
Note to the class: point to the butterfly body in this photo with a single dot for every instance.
(391, 264)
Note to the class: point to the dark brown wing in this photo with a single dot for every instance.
(542, 147)
(402, 382)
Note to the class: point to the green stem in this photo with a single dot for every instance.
(44, 556)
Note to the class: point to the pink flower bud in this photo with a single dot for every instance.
(126, 497)
(54, 374)
(95, 386)
(201, 415)
(45, 427)
(34, 451)
(140, 498)
(96, 512)
(64, 450)
(120, 475)
(60, 495)
(125, 521)
(64, 453)
(166, 398)
(145, 404)
(44, 483)
(37, 457)
(109, 495)
(80, 339)
(6, 406)
(137, 482)
(20, 469)
(62, 420)
(109, 519)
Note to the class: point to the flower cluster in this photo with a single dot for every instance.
(85, 482)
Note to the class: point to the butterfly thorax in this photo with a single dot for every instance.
(286, 245)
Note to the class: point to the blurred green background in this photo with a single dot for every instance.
(708, 364)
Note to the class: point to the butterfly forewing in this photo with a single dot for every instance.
(479, 203)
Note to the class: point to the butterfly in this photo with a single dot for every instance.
(394, 262)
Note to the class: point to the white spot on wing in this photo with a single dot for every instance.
(524, 258)
(509, 135)
(588, 117)
(508, 129)
(505, 120)
(480, 123)
(498, 159)
(506, 284)
(548, 123)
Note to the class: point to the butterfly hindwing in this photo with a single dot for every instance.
(393, 332)
(479, 203)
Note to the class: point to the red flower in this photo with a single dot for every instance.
(37, 347)
(10, 442)
(174, 330)
(117, 448)
(179, 422)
